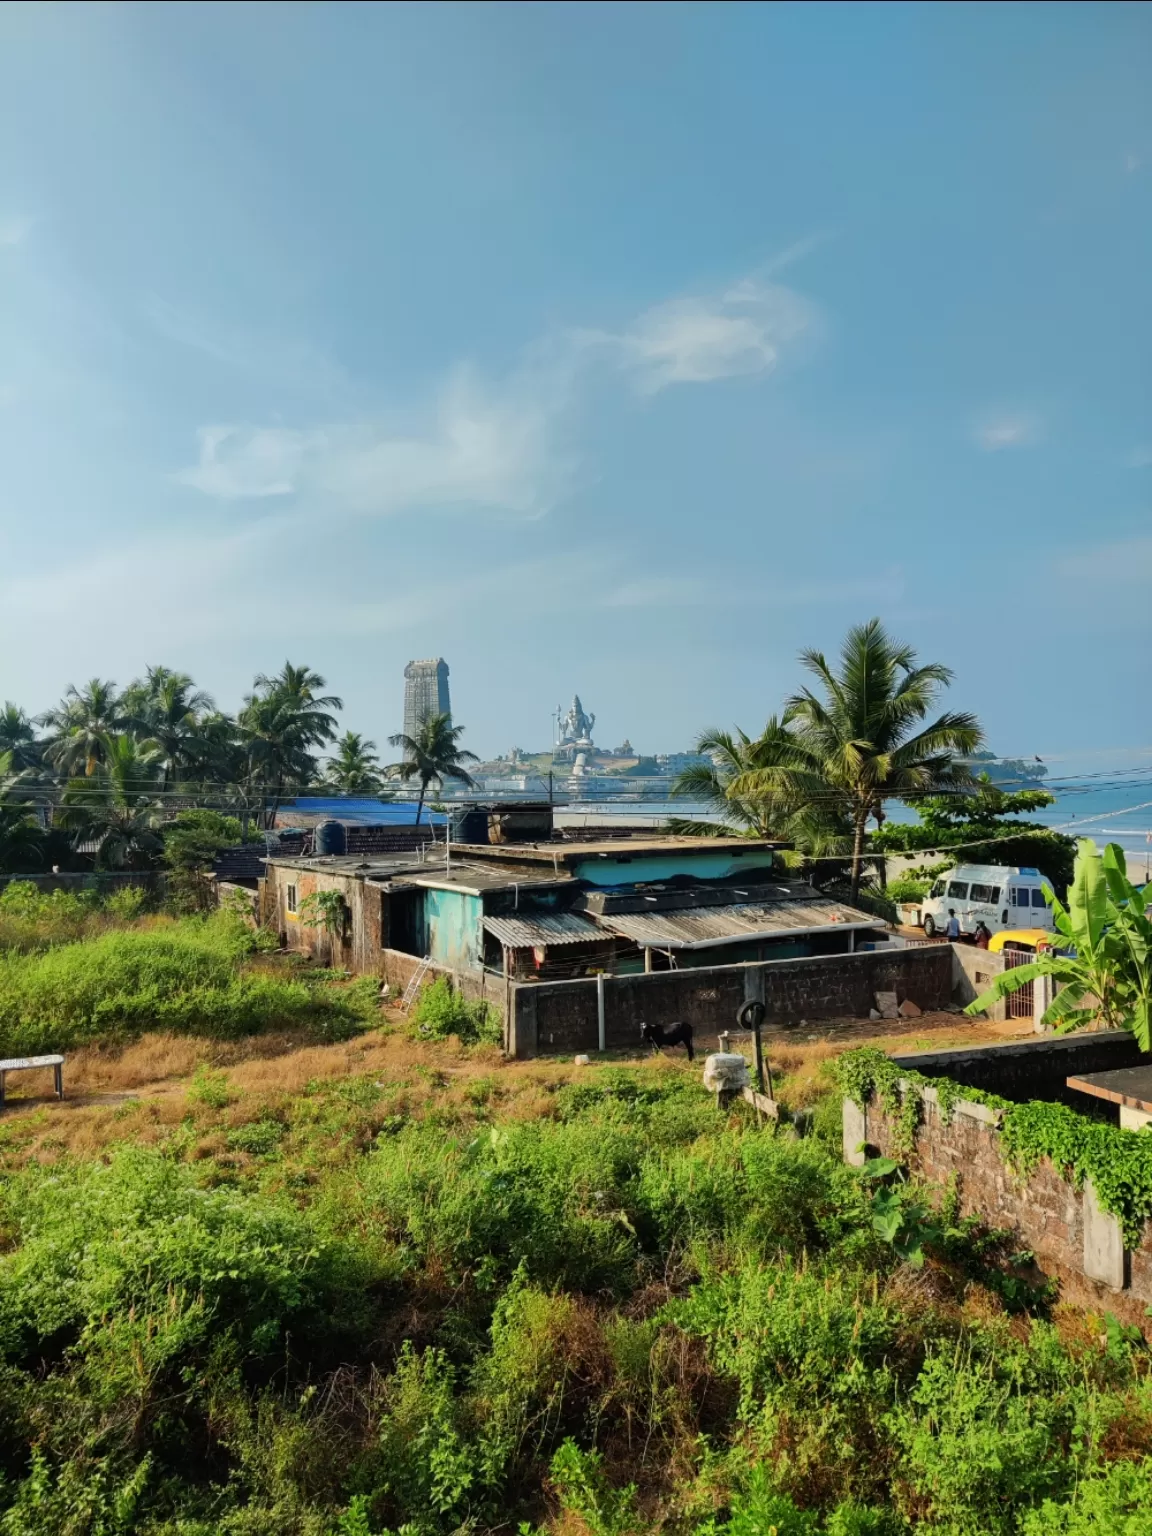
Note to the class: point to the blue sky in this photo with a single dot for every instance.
(614, 349)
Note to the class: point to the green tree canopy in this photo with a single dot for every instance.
(984, 829)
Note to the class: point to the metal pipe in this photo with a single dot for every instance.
(600, 1008)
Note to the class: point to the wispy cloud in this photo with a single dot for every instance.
(1017, 430)
(499, 444)
(698, 340)
(481, 446)
(1140, 458)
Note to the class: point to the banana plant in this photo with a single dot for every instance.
(1103, 957)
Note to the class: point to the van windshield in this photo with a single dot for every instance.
(938, 888)
(958, 890)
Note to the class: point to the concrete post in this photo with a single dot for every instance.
(855, 1133)
(1043, 991)
(1103, 1242)
(600, 1009)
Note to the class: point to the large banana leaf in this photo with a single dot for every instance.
(1088, 898)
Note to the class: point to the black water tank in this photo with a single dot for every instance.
(330, 837)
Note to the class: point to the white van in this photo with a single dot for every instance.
(995, 894)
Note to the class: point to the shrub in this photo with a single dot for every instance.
(441, 1011)
(1112, 1501)
(142, 1272)
(979, 1442)
(907, 889)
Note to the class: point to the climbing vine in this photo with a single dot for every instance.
(1119, 1162)
(868, 1073)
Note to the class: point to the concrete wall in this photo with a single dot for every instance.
(561, 1017)
(1073, 1240)
(973, 972)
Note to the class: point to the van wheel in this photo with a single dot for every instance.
(929, 926)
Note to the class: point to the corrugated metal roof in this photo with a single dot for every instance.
(543, 928)
(693, 927)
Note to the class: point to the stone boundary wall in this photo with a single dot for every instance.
(1074, 1241)
(561, 1017)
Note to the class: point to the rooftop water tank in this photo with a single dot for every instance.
(331, 838)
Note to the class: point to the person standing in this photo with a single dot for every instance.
(953, 929)
(982, 934)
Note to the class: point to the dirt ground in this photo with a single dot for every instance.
(142, 1090)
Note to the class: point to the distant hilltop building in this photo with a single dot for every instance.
(425, 692)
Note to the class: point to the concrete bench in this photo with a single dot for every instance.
(24, 1063)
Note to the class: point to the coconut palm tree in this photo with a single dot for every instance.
(21, 836)
(81, 725)
(354, 768)
(859, 740)
(116, 806)
(18, 737)
(432, 755)
(166, 708)
(282, 720)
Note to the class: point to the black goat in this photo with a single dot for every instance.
(672, 1034)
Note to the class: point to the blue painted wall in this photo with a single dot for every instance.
(452, 927)
(650, 867)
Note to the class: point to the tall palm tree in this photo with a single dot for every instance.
(860, 742)
(21, 835)
(354, 768)
(282, 720)
(81, 725)
(18, 737)
(116, 806)
(165, 707)
(432, 755)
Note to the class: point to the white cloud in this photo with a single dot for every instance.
(1140, 458)
(698, 340)
(1132, 163)
(1009, 431)
(483, 447)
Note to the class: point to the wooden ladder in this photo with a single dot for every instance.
(412, 990)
